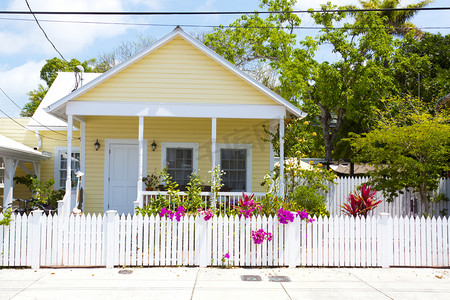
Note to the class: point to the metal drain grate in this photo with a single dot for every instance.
(279, 279)
(251, 278)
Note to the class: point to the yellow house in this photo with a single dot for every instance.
(175, 104)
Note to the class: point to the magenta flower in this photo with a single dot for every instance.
(179, 213)
(259, 235)
(285, 216)
(226, 255)
(208, 215)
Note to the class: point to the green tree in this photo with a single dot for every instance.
(358, 79)
(48, 73)
(35, 98)
(427, 73)
(398, 20)
(408, 150)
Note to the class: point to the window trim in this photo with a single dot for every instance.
(193, 146)
(248, 147)
(57, 162)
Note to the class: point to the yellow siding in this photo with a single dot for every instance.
(177, 73)
(49, 140)
(181, 130)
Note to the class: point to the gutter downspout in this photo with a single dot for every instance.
(38, 137)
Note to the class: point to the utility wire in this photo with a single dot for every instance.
(54, 47)
(31, 117)
(26, 128)
(210, 26)
(218, 12)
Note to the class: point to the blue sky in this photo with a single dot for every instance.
(23, 48)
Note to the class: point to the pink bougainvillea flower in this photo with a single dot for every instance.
(285, 216)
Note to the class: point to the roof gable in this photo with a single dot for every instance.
(176, 69)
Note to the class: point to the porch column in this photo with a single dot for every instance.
(82, 151)
(37, 169)
(213, 150)
(213, 141)
(282, 157)
(141, 162)
(68, 195)
(10, 170)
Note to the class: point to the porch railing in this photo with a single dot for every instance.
(223, 202)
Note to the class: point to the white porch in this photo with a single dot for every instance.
(12, 155)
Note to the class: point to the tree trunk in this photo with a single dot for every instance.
(423, 195)
(328, 133)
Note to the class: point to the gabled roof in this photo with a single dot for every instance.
(57, 108)
(16, 150)
(62, 86)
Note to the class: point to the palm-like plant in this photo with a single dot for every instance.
(397, 19)
(360, 205)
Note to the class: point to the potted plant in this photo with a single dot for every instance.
(151, 181)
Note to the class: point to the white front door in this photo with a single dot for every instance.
(122, 177)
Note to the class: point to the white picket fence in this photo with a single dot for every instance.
(407, 204)
(113, 240)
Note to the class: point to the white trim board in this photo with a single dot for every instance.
(180, 110)
(108, 143)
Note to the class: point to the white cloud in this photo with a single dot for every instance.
(16, 82)
(69, 38)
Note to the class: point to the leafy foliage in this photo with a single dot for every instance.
(359, 78)
(6, 217)
(35, 98)
(42, 191)
(398, 20)
(412, 153)
(193, 190)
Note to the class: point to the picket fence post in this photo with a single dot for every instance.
(36, 238)
(201, 242)
(384, 243)
(110, 246)
(293, 242)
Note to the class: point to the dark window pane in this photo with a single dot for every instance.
(233, 162)
(179, 164)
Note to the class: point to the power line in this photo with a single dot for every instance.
(31, 117)
(26, 128)
(218, 12)
(53, 45)
(205, 26)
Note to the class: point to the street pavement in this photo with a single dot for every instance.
(213, 283)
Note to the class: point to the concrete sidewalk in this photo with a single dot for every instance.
(214, 284)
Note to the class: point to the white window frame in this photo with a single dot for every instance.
(57, 163)
(193, 146)
(248, 166)
(2, 173)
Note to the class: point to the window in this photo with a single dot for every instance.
(236, 161)
(181, 159)
(61, 167)
(179, 164)
(233, 163)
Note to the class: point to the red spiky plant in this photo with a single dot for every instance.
(360, 205)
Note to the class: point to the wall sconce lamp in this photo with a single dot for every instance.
(97, 145)
(154, 146)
